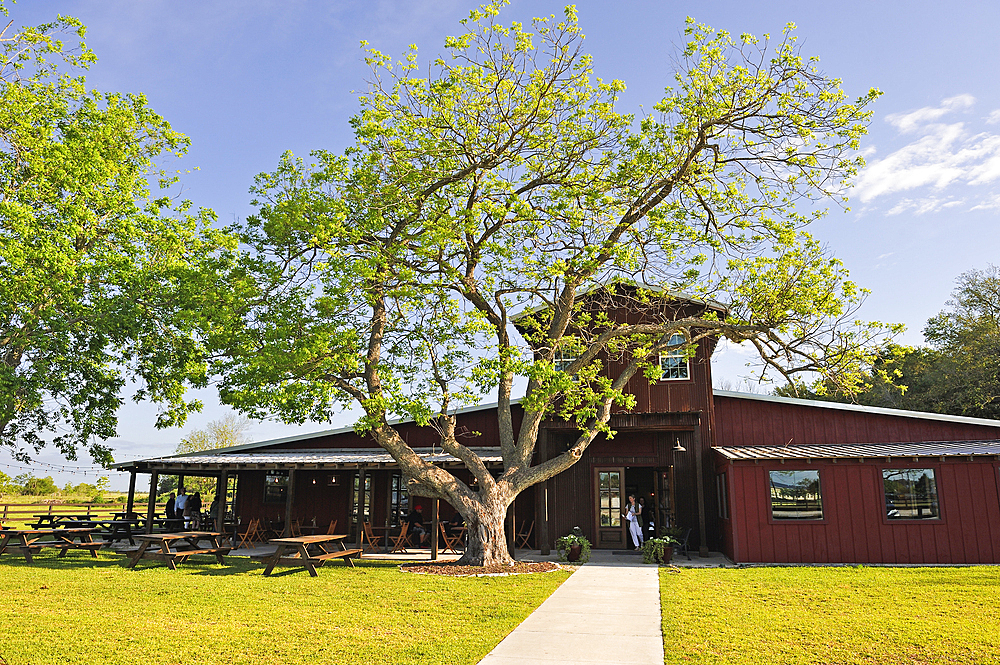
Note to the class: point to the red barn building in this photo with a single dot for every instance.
(761, 478)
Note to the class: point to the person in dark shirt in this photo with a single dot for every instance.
(171, 513)
(416, 521)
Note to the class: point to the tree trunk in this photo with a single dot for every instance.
(487, 541)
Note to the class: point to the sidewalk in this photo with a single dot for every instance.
(608, 611)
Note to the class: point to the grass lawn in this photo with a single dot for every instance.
(81, 610)
(864, 615)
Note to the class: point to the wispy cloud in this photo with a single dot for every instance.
(993, 118)
(943, 153)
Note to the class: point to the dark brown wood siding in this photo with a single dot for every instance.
(854, 528)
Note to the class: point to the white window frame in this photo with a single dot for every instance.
(561, 362)
(673, 355)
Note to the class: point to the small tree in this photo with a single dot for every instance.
(506, 181)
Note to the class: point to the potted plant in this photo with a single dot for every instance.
(658, 550)
(573, 547)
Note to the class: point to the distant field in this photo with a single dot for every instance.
(789, 616)
(78, 610)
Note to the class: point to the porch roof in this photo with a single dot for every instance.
(325, 459)
(862, 450)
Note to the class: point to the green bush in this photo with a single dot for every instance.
(575, 537)
(654, 549)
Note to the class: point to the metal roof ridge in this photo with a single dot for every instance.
(642, 285)
(861, 408)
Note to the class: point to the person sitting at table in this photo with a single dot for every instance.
(455, 521)
(193, 508)
(416, 521)
(180, 505)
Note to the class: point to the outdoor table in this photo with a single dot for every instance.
(29, 541)
(302, 556)
(172, 555)
(120, 530)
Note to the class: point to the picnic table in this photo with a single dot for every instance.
(50, 521)
(303, 557)
(171, 554)
(29, 541)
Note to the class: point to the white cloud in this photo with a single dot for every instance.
(993, 118)
(990, 203)
(884, 256)
(941, 155)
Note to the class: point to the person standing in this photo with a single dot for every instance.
(170, 512)
(633, 516)
(180, 506)
(194, 510)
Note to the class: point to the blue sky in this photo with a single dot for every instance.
(247, 80)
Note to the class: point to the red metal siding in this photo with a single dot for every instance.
(854, 529)
(751, 422)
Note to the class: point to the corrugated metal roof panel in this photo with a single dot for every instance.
(830, 451)
(310, 457)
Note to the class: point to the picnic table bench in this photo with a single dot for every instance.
(303, 557)
(173, 555)
(29, 541)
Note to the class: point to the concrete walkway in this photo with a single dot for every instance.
(608, 611)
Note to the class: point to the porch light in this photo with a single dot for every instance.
(678, 447)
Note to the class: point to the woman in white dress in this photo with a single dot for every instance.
(634, 526)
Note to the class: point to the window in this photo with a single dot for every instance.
(610, 498)
(674, 362)
(562, 362)
(722, 492)
(795, 495)
(362, 509)
(910, 494)
(275, 486)
(400, 500)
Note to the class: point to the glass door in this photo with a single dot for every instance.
(609, 525)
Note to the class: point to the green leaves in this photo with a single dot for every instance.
(94, 267)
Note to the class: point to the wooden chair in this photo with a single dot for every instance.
(522, 537)
(252, 533)
(681, 547)
(366, 533)
(399, 542)
(450, 542)
(332, 529)
(296, 529)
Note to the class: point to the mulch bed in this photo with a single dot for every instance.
(448, 568)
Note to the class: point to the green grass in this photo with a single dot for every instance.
(852, 615)
(81, 610)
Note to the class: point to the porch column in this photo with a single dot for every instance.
(131, 495)
(700, 480)
(434, 530)
(180, 482)
(221, 488)
(154, 479)
(289, 499)
(542, 497)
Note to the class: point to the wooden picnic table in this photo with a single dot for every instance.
(303, 557)
(29, 541)
(171, 554)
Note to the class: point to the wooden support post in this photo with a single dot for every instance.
(180, 482)
(154, 478)
(131, 496)
(289, 499)
(221, 487)
(700, 481)
(542, 497)
(434, 530)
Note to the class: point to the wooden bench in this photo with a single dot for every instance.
(29, 541)
(64, 546)
(172, 556)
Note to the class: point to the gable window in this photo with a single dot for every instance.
(275, 486)
(674, 362)
(796, 495)
(910, 494)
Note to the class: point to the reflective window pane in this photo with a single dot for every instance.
(795, 495)
(910, 494)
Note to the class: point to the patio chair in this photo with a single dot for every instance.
(398, 543)
(522, 537)
(681, 547)
(296, 529)
(366, 534)
(251, 534)
(332, 529)
(450, 542)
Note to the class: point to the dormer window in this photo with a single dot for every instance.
(675, 363)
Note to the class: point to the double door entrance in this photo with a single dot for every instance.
(652, 488)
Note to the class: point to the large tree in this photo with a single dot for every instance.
(505, 181)
(95, 257)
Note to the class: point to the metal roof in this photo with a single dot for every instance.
(316, 459)
(861, 450)
(860, 408)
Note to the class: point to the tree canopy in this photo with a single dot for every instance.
(957, 372)
(95, 255)
(506, 180)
